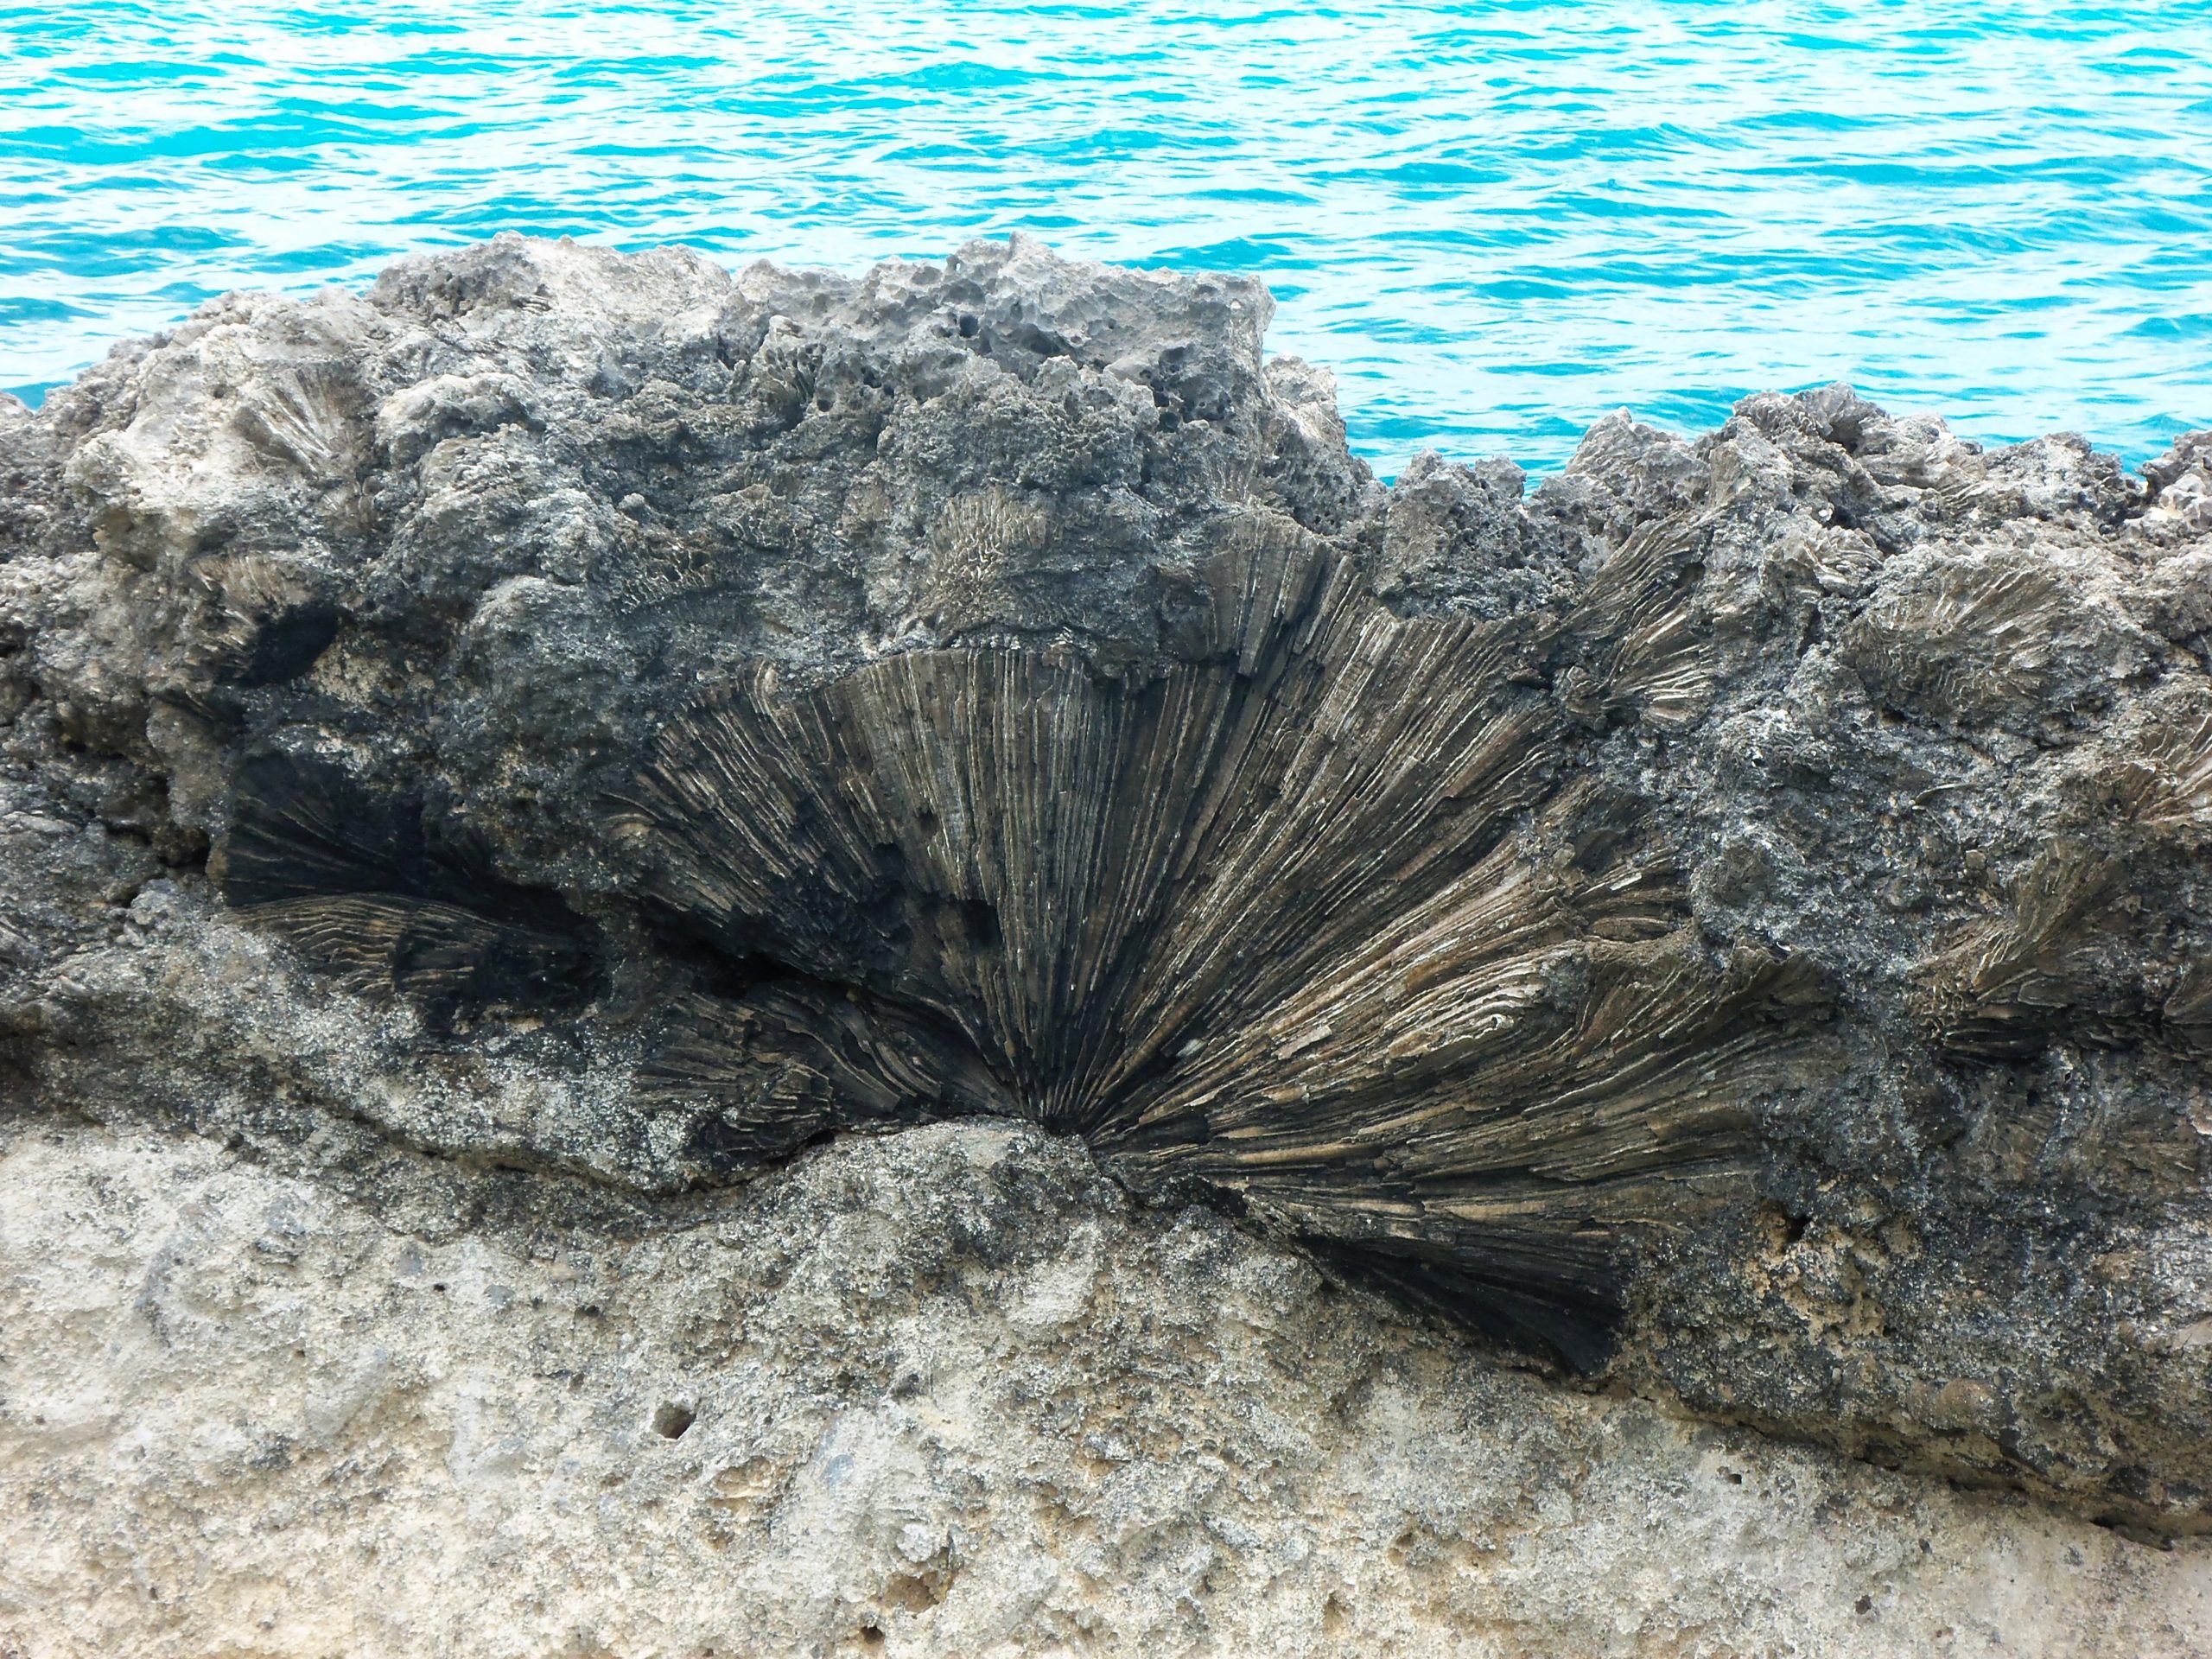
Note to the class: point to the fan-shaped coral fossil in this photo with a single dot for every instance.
(1323, 919)
(1326, 921)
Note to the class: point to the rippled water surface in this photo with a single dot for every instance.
(1496, 222)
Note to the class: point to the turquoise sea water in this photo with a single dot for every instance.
(1494, 221)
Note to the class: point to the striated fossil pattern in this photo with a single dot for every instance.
(1324, 919)
(563, 729)
(351, 879)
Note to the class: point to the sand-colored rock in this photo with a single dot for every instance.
(941, 1391)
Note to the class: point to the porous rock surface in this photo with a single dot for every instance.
(944, 1391)
(542, 743)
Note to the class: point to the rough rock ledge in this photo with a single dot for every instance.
(1460, 1012)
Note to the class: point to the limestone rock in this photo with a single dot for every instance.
(944, 1391)
(1727, 924)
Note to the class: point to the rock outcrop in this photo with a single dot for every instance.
(552, 738)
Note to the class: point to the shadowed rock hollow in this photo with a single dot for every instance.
(1733, 919)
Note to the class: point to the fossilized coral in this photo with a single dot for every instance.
(351, 876)
(1326, 920)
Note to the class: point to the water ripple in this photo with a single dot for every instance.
(1496, 221)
